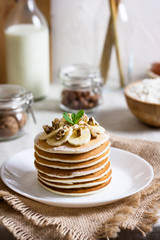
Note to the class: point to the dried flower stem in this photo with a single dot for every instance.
(111, 38)
(113, 16)
(106, 54)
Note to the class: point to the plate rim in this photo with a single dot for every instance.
(79, 204)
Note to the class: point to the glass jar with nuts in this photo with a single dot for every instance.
(15, 104)
(81, 88)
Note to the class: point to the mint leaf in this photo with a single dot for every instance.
(67, 118)
(74, 117)
(80, 113)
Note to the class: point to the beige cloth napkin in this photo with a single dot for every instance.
(30, 220)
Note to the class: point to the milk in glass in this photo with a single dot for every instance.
(27, 57)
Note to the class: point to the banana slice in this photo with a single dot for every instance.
(46, 136)
(54, 142)
(96, 128)
(80, 140)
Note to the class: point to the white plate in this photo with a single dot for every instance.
(130, 175)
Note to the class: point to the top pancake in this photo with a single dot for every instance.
(74, 157)
(66, 148)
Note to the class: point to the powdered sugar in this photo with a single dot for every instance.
(69, 149)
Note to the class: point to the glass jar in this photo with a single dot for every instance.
(27, 49)
(15, 105)
(81, 88)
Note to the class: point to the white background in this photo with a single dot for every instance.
(79, 28)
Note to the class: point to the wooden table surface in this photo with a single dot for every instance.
(123, 235)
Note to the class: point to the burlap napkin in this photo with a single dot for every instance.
(28, 219)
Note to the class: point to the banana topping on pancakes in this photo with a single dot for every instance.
(72, 156)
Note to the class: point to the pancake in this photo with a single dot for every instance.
(70, 173)
(76, 191)
(79, 185)
(67, 148)
(71, 165)
(79, 179)
(73, 157)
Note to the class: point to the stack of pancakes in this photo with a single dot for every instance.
(75, 171)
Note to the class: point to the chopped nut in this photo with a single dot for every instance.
(47, 128)
(92, 122)
(93, 134)
(77, 129)
(62, 120)
(55, 123)
(60, 134)
(85, 118)
(82, 123)
(79, 132)
(8, 126)
(74, 99)
(65, 127)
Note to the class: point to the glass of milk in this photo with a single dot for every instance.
(27, 49)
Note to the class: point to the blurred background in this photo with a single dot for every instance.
(78, 28)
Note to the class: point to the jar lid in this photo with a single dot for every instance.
(10, 92)
(14, 97)
(80, 75)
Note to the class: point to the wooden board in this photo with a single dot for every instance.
(6, 7)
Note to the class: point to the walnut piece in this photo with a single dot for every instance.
(79, 131)
(8, 126)
(85, 118)
(82, 123)
(55, 123)
(92, 121)
(93, 134)
(65, 127)
(47, 128)
(60, 134)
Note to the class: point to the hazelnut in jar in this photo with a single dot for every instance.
(81, 88)
(15, 104)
